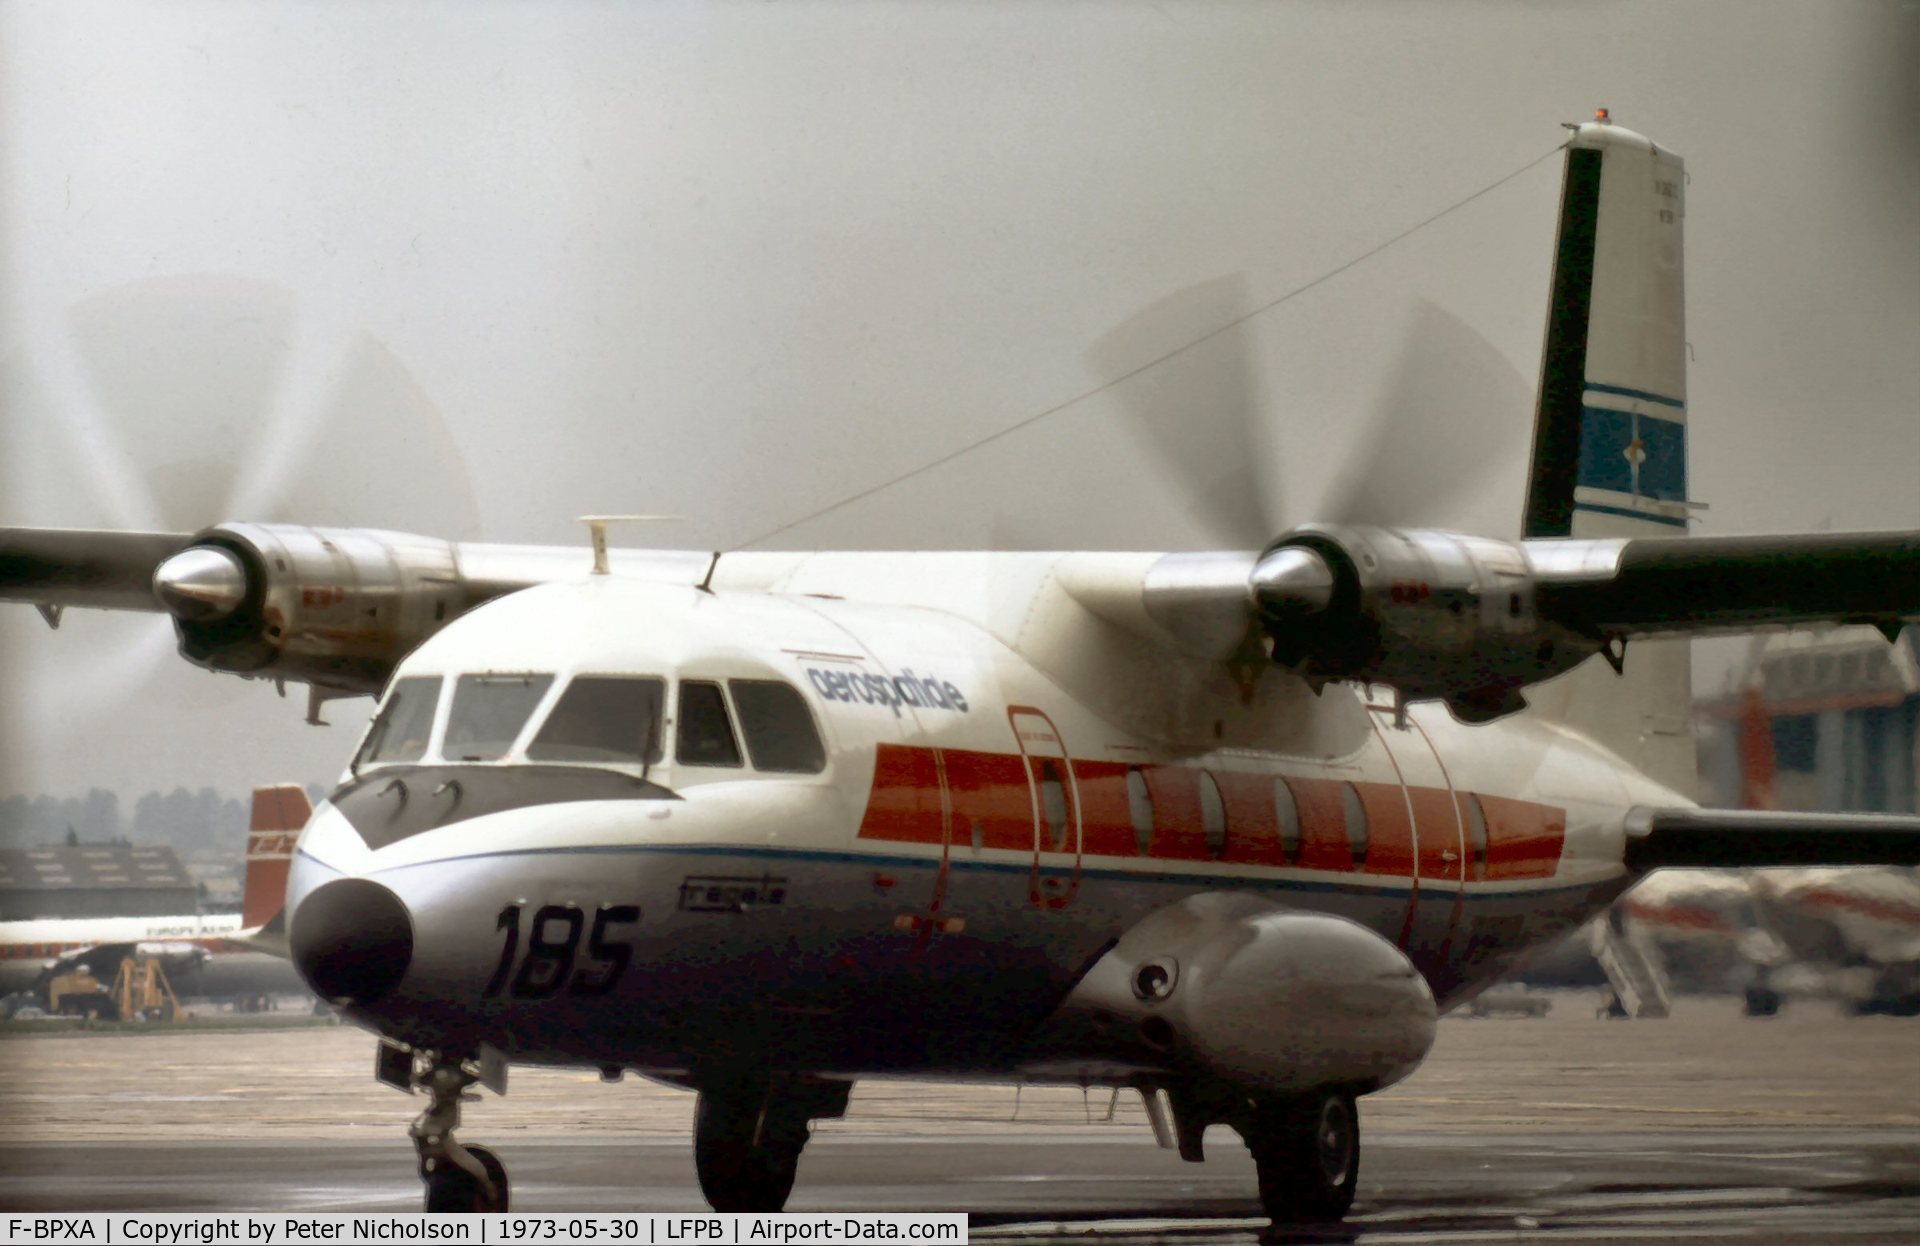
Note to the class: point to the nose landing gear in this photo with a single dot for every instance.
(458, 1178)
(452, 1187)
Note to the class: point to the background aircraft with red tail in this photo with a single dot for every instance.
(216, 955)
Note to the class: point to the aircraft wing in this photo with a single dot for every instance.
(55, 568)
(1725, 838)
(332, 607)
(1464, 619)
(1701, 585)
(1472, 621)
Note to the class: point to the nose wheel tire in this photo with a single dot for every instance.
(1306, 1149)
(739, 1173)
(452, 1188)
(458, 1178)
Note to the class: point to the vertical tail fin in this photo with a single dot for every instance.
(279, 813)
(1610, 444)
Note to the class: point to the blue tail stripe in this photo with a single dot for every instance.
(1604, 438)
(1671, 521)
(1596, 387)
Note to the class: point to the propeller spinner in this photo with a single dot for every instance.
(201, 584)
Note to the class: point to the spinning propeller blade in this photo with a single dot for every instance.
(1452, 417)
(175, 403)
(1198, 408)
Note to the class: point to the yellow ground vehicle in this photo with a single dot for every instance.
(140, 990)
(77, 993)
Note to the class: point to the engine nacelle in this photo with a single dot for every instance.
(339, 607)
(1433, 614)
(1263, 998)
(333, 607)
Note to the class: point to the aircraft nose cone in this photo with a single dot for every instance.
(352, 940)
(201, 583)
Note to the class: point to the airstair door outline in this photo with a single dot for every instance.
(936, 919)
(1057, 830)
(1432, 919)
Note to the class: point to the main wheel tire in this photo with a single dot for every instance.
(1306, 1149)
(454, 1189)
(735, 1174)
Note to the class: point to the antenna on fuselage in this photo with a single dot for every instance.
(597, 531)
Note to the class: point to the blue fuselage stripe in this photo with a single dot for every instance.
(1237, 882)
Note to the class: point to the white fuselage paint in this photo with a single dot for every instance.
(868, 945)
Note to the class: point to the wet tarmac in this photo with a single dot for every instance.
(1565, 1129)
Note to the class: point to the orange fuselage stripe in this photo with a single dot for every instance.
(992, 799)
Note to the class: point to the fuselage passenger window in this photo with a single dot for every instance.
(488, 713)
(1358, 835)
(780, 731)
(1140, 810)
(1053, 804)
(1476, 837)
(703, 736)
(1213, 816)
(605, 719)
(400, 731)
(1287, 812)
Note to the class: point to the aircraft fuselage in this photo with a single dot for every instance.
(974, 836)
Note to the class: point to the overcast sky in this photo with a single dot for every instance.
(476, 269)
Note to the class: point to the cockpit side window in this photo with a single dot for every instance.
(604, 719)
(781, 735)
(400, 730)
(704, 735)
(488, 713)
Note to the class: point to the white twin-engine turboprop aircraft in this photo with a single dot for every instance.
(1227, 828)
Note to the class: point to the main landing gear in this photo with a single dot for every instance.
(748, 1131)
(458, 1178)
(1306, 1149)
(1305, 1145)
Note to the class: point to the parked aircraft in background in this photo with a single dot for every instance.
(1847, 934)
(1851, 935)
(1229, 828)
(1857, 930)
(216, 955)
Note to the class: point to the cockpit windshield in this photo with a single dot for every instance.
(705, 735)
(400, 731)
(780, 733)
(604, 719)
(598, 720)
(488, 713)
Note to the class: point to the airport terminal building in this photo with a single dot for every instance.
(1841, 713)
